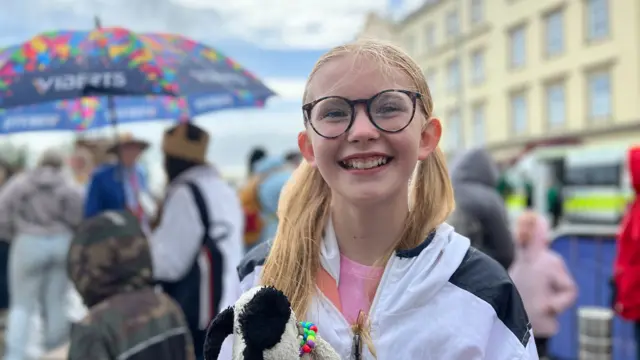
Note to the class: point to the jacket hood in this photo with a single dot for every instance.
(109, 255)
(634, 168)
(475, 165)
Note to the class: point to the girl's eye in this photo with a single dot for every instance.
(387, 109)
(335, 115)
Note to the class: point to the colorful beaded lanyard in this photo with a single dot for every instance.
(308, 333)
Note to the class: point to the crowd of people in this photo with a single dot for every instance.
(61, 231)
(329, 226)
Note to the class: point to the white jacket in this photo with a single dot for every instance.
(442, 300)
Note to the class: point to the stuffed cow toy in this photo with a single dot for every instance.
(265, 328)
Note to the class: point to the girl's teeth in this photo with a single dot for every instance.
(365, 164)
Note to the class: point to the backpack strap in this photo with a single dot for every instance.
(203, 210)
(205, 218)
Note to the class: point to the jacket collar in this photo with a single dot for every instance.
(330, 251)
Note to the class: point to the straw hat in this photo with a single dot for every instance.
(127, 139)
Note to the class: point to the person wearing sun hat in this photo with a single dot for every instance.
(197, 244)
(119, 185)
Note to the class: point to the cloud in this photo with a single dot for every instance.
(292, 23)
(287, 88)
(307, 24)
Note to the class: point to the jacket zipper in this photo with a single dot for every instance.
(356, 345)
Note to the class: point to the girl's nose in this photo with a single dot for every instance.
(362, 128)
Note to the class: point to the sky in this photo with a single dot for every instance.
(278, 40)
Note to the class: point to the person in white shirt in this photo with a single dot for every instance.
(198, 242)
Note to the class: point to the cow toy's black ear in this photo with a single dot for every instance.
(264, 319)
(219, 328)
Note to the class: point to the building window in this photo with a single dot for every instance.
(519, 113)
(518, 47)
(430, 34)
(479, 123)
(597, 19)
(453, 23)
(431, 81)
(599, 85)
(554, 28)
(453, 75)
(455, 138)
(477, 11)
(556, 105)
(477, 67)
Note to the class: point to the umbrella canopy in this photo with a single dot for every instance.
(45, 82)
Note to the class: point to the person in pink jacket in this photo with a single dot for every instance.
(541, 277)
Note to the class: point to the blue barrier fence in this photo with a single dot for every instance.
(589, 253)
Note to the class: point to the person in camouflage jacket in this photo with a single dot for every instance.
(129, 319)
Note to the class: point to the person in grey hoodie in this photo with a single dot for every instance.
(474, 176)
(40, 209)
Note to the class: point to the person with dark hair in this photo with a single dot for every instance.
(197, 244)
(257, 154)
(294, 158)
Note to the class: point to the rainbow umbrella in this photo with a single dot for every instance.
(76, 80)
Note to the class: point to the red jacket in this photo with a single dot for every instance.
(627, 263)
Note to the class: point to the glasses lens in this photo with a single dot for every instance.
(331, 116)
(392, 110)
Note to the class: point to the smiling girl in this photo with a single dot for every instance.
(358, 259)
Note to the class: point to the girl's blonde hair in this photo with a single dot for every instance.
(304, 205)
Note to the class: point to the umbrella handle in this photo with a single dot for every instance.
(113, 118)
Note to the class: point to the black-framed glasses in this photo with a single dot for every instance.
(390, 111)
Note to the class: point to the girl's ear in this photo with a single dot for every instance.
(429, 138)
(304, 144)
(219, 328)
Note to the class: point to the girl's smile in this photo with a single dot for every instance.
(365, 163)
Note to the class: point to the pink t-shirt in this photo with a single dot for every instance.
(356, 288)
